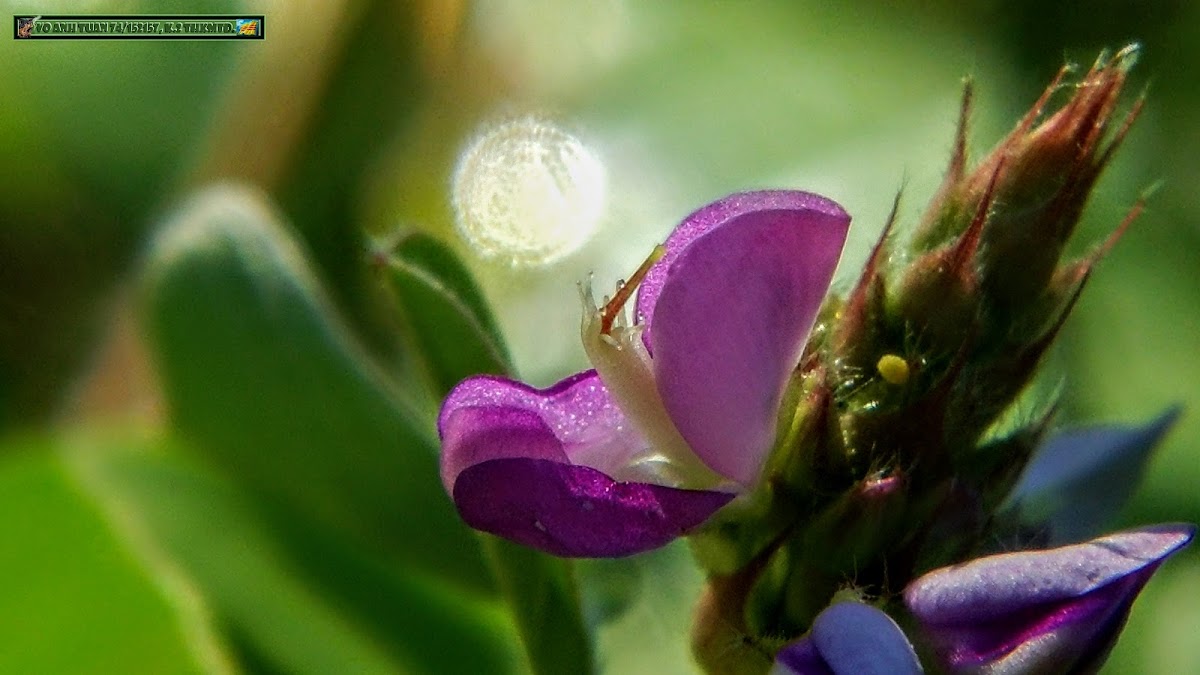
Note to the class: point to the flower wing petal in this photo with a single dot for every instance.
(580, 415)
(729, 309)
(576, 511)
(482, 433)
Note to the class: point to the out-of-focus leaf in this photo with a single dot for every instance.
(1079, 480)
(543, 594)
(435, 259)
(446, 316)
(353, 616)
(1131, 344)
(373, 85)
(121, 117)
(650, 632)
(93, 133)
(457, 335)
(262, 375)
(76, 599)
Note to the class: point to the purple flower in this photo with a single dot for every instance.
(849, 638)
(679, 414)
(1057, 610)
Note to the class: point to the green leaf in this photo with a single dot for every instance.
(121, 116)
(291, 606)
(76, 597)
(435, 259)
(543, 594)
(264, 377)
(447, 317)
(453, 328)
(641, 608)
(372, 86)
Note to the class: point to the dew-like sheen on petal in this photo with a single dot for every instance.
(517, 462)
(576, 511)
(578, 411)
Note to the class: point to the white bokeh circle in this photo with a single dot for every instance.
(528, 192)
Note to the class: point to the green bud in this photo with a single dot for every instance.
(860, 525)
(883, 466)
(1031, 188)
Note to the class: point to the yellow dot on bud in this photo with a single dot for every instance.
(893, 369)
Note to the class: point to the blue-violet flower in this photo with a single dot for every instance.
(1052, 611)
(849, 638)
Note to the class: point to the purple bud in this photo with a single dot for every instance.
(849, 638)
(1056, 610)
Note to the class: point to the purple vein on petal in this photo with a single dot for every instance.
(1023, 635)
(1040, 610)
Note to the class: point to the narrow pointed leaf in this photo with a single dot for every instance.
(436, 259)
(450, 334)
(543, 595)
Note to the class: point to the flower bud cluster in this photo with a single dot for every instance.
(886, 465)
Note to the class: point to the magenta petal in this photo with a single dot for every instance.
(732, 304)
(576, 511)
(528, 465)
(578, 413)
(479, 434)
(1048, 609)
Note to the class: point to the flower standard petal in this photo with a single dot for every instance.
(718, 213)
(850, 638)
(728, 310)
(1033, 610)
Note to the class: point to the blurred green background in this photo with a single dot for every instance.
(216, 404)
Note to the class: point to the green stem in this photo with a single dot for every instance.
(542, 593)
